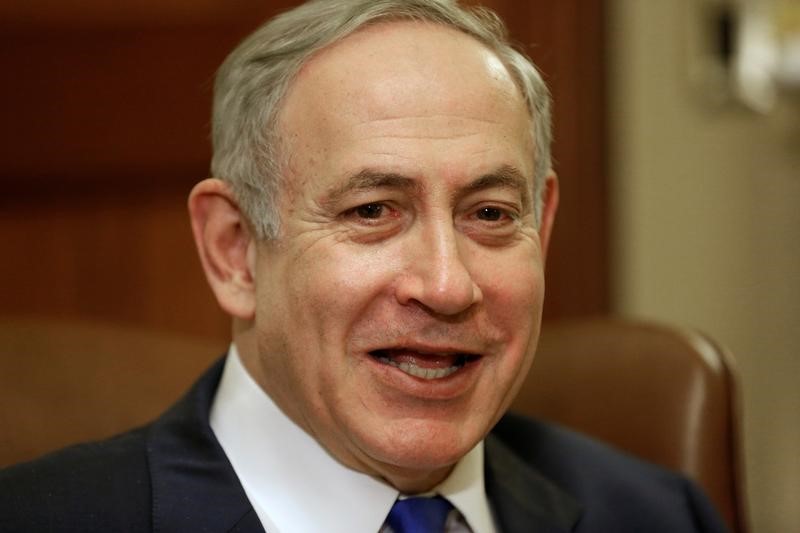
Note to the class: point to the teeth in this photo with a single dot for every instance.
(423, 373)
(412, 369)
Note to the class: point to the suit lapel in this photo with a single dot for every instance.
(194, 485)
(195, 488)
(525, 501)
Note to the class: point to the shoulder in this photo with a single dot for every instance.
(109, 485)
(573, 459)
(613, 488)
(98, 486)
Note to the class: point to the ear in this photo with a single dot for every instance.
(225, 245)
(549, 208)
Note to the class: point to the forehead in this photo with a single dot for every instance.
(389, 62)
(402, 79)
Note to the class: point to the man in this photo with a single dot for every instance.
(377, 228)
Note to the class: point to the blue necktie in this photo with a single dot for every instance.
(419, 515)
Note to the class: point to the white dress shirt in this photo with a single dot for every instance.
(295, 486)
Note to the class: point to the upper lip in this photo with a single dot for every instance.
(428, 349)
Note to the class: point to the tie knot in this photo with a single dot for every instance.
(419, 515)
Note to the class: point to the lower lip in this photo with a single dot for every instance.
(446, 388)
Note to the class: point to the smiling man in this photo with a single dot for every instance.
(377, 227)
(396, 311)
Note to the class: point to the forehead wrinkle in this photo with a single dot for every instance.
(427, 117)
(426, 137)
(430, 126)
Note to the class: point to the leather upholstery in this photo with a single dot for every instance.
(63, 382)
(661, 393)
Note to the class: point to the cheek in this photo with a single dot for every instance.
(328, 289)
(513, 296)
(513, 305)
(513, 288)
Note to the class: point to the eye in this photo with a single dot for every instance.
(494, 222)
(491, 214)
(374, 221)
(369, 211)
(372, 214)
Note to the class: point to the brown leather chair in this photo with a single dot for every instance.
(663, 394)
(63, 382)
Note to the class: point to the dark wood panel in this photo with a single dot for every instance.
(135, 13)
(106, 125)
(110, 257)
(120, 105)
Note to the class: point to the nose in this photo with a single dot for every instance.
(436, 275)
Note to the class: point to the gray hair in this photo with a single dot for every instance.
(252, 82)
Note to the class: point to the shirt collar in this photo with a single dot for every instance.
(285, 472)
(464, 488)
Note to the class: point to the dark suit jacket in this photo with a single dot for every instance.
(172, 475)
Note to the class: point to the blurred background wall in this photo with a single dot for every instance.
(706, 223)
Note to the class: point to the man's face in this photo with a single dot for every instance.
(398, 312)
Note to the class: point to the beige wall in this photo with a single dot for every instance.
(706, 232)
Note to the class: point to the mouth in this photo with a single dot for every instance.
(428, 366)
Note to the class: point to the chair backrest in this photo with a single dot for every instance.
(64, 382)
(663, 394)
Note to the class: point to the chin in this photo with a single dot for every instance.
(422, 448)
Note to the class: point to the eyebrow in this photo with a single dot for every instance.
(505, 176)
(369, 179)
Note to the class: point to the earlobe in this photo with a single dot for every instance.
(225, 245)
(549, 208)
